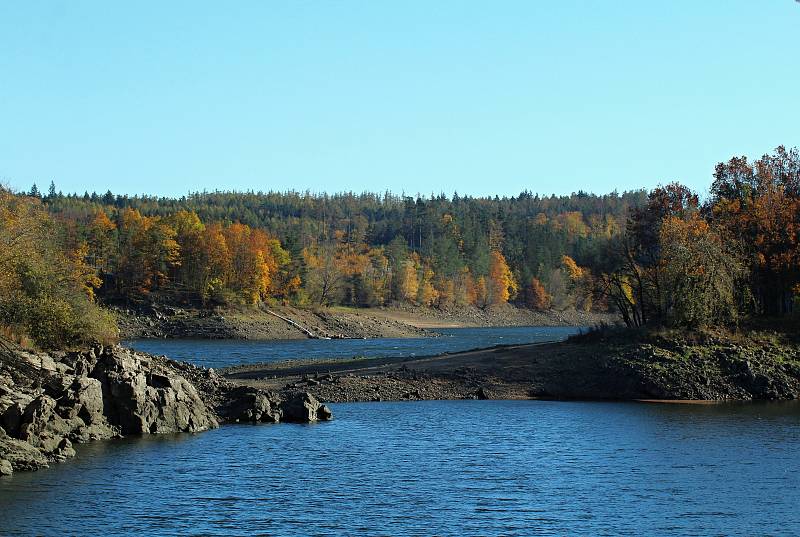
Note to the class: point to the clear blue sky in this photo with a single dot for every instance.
(415, 96)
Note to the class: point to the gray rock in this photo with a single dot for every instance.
(42, 426)
(12, 418)
(21, 455)
(245, 404)
(302, 407)
(140, 400)
(5, 467)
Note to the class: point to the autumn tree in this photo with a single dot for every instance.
(255, 258)
(632, 279)
(757, 205)
(465, 292)
(100, 239)
(146, 254)
(702, 275)
(427, 295)
(214, 264)
(500, 284)
(481, 292)
(46, 289)
(408, 280)
(536, 297)
(581, 284)
(326, 272)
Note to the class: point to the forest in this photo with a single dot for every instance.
(658, 257)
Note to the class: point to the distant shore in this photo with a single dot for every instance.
(335, 322)
(654, 370)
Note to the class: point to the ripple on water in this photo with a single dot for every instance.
(436, 468)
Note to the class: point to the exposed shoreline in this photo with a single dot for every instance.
(647, 371)
(160, 322)
(48, 401)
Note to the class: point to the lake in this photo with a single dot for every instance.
(436, 468)
(431, 467)
(218, 353)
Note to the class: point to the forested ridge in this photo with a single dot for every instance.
(361, 250)
(655, 257)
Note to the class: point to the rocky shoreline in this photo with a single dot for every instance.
(652, 368)
(49, 401)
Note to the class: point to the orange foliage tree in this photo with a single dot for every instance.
(536, 297)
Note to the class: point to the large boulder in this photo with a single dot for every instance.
(245, 404)
(42, 427)
(139, 399)
(19, 455)
(302, 407)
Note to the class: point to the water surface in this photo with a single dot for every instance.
(221, 353)
(437, 468)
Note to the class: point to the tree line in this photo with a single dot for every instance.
(347, 249)
(658, 257)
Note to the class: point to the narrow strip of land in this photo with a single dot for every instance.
(623, 368)
(507, 372)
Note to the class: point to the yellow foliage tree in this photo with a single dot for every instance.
(501, 284)
(427, 295)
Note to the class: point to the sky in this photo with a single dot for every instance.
(479, 98)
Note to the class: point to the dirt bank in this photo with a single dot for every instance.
(395, 322)
(170, 322)
(626, 368)
(505, 315)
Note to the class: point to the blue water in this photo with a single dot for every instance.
(223, 353)
(436, 468)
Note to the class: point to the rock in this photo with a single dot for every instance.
(12, 418)
(65, 449)
(41, 426)
(20, 455)
(139, 402)
(482, 393)
(324, 413)
(302, 407)
(86, 394)
(43, 362)
(245, 404)
(5, 467)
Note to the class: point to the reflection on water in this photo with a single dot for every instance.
(222, 353)
(437, 468)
